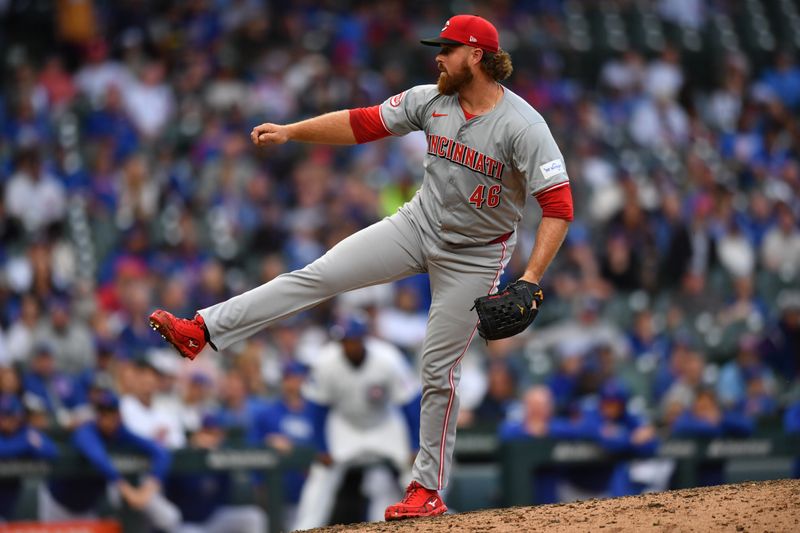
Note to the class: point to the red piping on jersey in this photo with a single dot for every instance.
(502, 238)
(556, 201)
(443, 442)
(367, 124)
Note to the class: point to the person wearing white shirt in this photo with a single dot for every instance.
(145, 416)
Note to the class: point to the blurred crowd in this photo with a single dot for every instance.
(128, 183)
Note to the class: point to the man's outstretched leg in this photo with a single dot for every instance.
(387, 250)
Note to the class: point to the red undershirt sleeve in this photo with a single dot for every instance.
(367, 124)
(556, 202)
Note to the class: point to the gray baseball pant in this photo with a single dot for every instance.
(394, 248)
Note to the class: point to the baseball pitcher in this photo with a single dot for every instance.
(488, 152)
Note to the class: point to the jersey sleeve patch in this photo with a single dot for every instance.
(552, 168)
(395, 100)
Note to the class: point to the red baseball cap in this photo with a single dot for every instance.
(470, 30)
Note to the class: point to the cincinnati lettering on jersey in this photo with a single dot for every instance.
(460, 153)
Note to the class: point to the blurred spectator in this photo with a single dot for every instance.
(111, 125)
(403, 324)
(780, 251)
(137, 194)
(74, 498)
(149, 100)
(500, 394)
(99, 73)
(791, 425)
(196, 400)
(619, 431)
(564, 381)
(745, 307)
(659, 121)
(32, 194)
(645, 341)
(57, 391)
(538, 421)
(21, 334)
(10, 381)
(144, 416)
(70, 339)
(679, 381)
(782, 343)
(784, 80)
(103, 373)
(205, 498)
(706, 418)
(746, 383)
(588, 329)
(57, 82)
(285, 423)
(17, 441)
(736, 253)
(620, 264)
(239, 408)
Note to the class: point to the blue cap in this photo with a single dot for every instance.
(43, 348)
(211, 420)
(614, 390)
(107, 400)
(105, 346)
(200, 378)
(353, 326)
(294, 368)
(10, 405)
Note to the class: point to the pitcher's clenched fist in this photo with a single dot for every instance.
(269, 134)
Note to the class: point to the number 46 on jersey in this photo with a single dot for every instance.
(485, 195)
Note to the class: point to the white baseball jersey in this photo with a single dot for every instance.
(478, 172)
(364, 418)
(362, 395)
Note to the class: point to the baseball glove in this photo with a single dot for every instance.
(509, 311)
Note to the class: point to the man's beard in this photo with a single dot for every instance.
(452, 83)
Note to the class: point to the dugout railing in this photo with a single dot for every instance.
(517, 460)
(520, 459)
(272, 464)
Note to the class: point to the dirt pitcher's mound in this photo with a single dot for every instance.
(764, 506)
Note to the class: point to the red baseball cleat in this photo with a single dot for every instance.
(187, 336)
(417, 502)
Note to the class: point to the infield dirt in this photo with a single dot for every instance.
(766, 506)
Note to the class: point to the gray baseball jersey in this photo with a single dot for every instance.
(478, 172)
(458, 228)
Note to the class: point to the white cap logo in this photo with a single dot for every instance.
(472, 39)
(446, 24)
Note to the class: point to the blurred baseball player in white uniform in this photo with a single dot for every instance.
(360, 391)
(488, 152)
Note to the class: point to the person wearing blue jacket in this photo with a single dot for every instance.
(706, 419)
(77, 497)
(619, 432)
(18, 440)
(791, 424)
(538, 422)
(205, 498)
(283, 424)
(58, 391)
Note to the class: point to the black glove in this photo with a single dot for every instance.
(508, 312)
